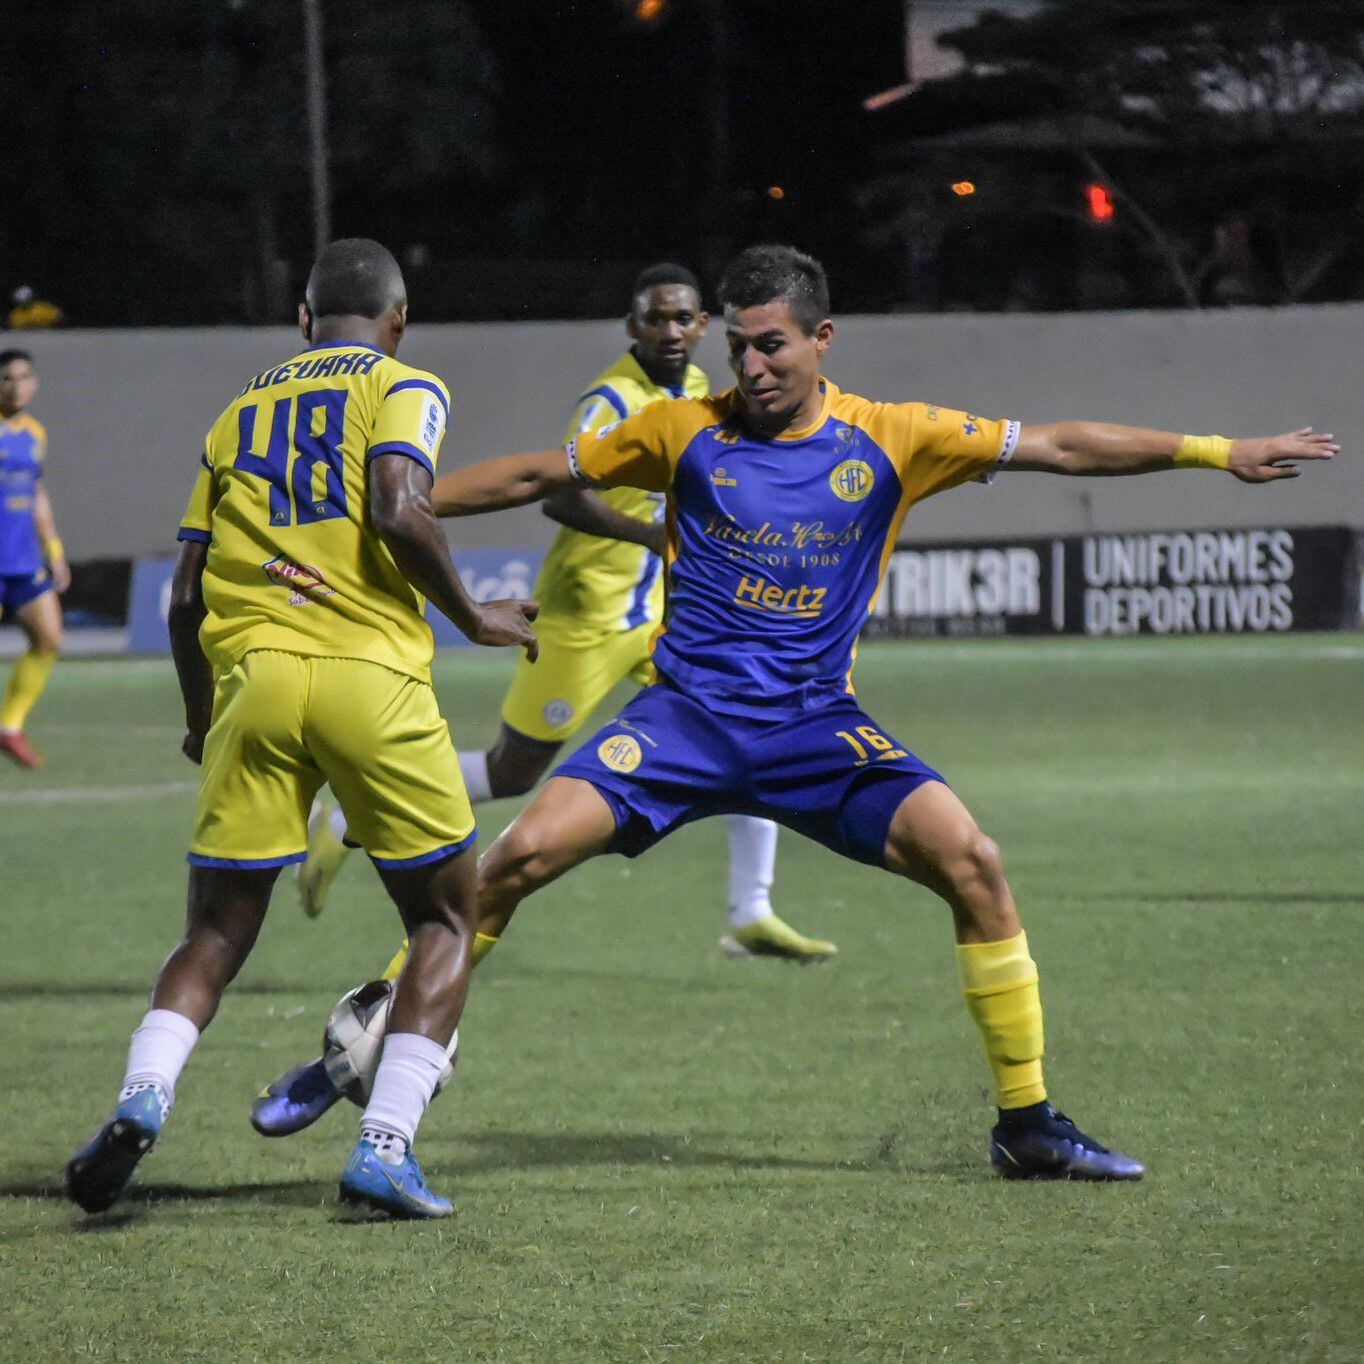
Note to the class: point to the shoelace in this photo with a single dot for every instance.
(1078, 1137)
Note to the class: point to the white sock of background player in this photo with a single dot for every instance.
(752, 865)
(473, 767)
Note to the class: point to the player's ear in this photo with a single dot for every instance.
(702, 322)
(631, 328)
(305, 321)
(824, 335)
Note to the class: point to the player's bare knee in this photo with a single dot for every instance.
(975, 865)
(518, 862)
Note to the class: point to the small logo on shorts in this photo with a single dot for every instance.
(620, 753)
(557, 713)
(851, 481)
(304, 582)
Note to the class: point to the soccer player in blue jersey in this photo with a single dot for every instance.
(32, 561)
(785, 498)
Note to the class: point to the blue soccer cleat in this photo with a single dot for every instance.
(101, 1169)
(398, 1190)
(1040, 1143)
(296, 1100)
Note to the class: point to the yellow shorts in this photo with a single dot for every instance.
(285, 723)
(550, 699)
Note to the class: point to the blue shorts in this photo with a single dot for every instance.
(18, 589)
(831, 773)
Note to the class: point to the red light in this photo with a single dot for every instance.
(962, 188)
(776, 192)
(1100, 201)
(646, 11)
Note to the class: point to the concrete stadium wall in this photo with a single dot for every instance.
(126, 411)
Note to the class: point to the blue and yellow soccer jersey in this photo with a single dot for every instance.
(590, 587)
(280, 500)
(776, 547)
(23, 446)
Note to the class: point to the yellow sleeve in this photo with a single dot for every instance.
(635, 453)
(411, 421)
(197, 522)
(936, 448)
(594, 410)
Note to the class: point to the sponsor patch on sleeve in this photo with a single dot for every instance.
(433, 425)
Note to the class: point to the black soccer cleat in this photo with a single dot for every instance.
(1039, 1143)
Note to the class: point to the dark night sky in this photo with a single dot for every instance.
(598, 139)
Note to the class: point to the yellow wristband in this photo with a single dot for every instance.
(1202, 452)
(54, 549)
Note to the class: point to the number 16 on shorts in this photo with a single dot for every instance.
(869, 745)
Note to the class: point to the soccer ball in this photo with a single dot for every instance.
(354, 1037)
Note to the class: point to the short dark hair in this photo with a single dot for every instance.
(8, 357)
(355, 277)
(762, 274)
(665, 272)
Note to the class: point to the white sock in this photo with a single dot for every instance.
(473, 768)
(336, 819)
(410, 1067)
(157, 1054)
(752, 864)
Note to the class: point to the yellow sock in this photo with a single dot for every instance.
(999, 980)
(483, 944)
(27, 679)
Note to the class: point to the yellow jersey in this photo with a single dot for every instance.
(292, 562)
(589, 586)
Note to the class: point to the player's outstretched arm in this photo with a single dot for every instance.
(1100, 448)
(186, 615)
(401, 511)
(507, 481)
(581, 510)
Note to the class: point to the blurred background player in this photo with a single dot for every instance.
(600, 593)
(33, 566)
(303, 657)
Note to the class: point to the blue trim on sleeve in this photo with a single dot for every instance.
(404, 863)
(611, 396)
(200, 537)
(244, 863)
(421, 383)
(203, 459)
(401, 447)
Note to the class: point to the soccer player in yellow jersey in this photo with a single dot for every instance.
(303, 657)
(32, 561)
(785, 499)
(600, 593)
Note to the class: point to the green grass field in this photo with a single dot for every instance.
(659, 1153)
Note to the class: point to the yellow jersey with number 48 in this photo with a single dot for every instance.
(280, 501)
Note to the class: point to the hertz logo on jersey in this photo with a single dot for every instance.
(852, 480)
(760, 595)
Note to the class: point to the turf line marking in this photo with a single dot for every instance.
(78, 795)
